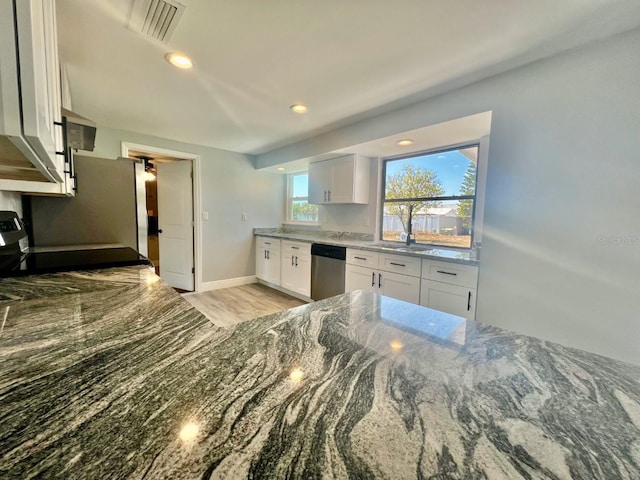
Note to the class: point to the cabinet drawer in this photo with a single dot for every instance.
(452, 273)
(295, 248)
(268, 243)
(362, 257)
(400, 264)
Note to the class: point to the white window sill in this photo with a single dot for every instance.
(307, 224)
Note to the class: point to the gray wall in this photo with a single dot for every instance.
(229, 185)
(563, 151)
(103, 210)
(10, 201)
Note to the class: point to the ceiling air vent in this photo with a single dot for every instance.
(156, 18)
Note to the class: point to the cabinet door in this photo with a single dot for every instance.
(38, 62)
(402, 287)
(319, 180)
(288, 272)
(342, 180)
(448, 298)
(272, 266)
(360, 278)
(261, 260)
(303, 275)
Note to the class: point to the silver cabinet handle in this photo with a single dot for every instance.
(295, 248)
(373, 279)
(292, 260)
(469, 301)
(267, 254)
(398, 264)
(329, 196)
(296, 261)
(446, 273)
(379, 280)
(360, 258)
(325, 195)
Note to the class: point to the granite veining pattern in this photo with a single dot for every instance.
(131, 382)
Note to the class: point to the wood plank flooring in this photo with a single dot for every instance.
(229, 306)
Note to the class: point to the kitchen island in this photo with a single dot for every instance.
(111, 374)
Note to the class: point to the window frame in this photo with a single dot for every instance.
(475, 229)
(290, 199)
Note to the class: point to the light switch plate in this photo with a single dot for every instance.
(205, 216)
(244, 216)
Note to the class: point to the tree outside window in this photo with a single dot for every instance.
(439, 187)
(299, 209)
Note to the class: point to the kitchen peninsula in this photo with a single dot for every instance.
(111, 374)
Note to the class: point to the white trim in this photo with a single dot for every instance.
(481, 187)
(197, 203)
(229, 282)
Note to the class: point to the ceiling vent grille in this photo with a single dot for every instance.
(156, 18)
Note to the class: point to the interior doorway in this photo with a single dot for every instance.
(167, 208)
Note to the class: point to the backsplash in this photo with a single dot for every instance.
(334, 235)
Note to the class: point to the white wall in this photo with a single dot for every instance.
(10, 201)
(561, 245)
(229, 186)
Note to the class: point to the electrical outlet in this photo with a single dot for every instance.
(244, 216)
(205, 216)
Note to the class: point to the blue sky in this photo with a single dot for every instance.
(450, 168)
(300, 183)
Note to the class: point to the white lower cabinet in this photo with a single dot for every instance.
(449, 287)
(295, 267)
(268, 259)
(402, 287)
(385, 278)
(448, 298)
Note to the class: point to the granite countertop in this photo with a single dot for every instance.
(366, 242)
(111, 374)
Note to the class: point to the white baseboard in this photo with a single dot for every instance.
(285, 290)
(229, 282)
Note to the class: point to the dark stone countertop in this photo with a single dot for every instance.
(111, 374)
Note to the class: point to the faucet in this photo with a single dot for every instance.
(409, 239)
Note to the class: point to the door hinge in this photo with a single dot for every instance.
(193, 269)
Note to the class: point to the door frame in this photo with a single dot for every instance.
(196, 202)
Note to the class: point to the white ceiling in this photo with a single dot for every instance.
(344, 59)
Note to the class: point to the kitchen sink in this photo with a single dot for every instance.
(402, 248)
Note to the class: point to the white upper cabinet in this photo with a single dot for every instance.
(30, 114)
(339, 180)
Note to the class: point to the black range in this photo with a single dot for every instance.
(17, 261)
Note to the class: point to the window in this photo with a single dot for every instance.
(436, 193)
(299, 210)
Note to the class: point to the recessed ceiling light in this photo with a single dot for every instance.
(298, 108)
(281, 169)
(179, 60)
(405, 142)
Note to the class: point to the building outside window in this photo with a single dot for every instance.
(436, 191)
(299, 210)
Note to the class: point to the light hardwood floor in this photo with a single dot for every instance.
(229, 306)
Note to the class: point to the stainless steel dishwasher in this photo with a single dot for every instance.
(327, 270)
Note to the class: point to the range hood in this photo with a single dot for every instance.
(80, 132)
